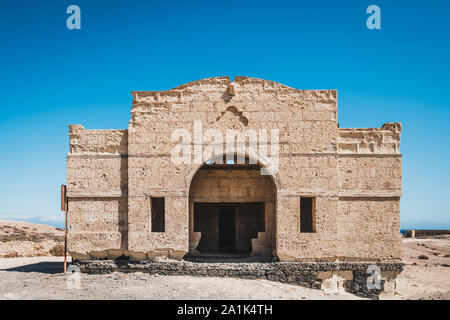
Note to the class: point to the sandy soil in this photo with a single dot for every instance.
(425, 278)
(24, 239)
(41, 277)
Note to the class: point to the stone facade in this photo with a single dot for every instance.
(353, 176)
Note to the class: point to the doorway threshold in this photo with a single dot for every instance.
(224, 257)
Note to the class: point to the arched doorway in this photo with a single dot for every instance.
(232, 209)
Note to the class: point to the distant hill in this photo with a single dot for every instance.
(26, 239)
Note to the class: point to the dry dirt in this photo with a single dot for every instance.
(425, 278)
(24, 239)
(41, 277)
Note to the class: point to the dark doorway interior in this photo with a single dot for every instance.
(228, 227)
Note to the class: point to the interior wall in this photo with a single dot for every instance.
(206, 221)
(231, 185)
(249, 221)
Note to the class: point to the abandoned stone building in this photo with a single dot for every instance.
(335, 195)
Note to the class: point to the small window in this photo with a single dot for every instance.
(307, 219)
(158, 214)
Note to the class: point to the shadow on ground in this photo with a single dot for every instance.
(41, 267)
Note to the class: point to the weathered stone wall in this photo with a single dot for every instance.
(97, 190)
(384, 140)
(370, 184)
(97, 225)
(354, 174)
(84, 141)
(368, 229)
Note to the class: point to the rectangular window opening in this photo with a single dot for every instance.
(158, 214)
(307, 214)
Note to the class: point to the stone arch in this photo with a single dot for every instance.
(218, 191)
(263, 162)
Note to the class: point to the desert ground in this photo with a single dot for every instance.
(29, 271)
(24, 239)
(427, 269)
(41, 278)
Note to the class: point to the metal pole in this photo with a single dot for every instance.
(65, 240)
(64, 207)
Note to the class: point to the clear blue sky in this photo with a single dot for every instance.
(52, 77)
